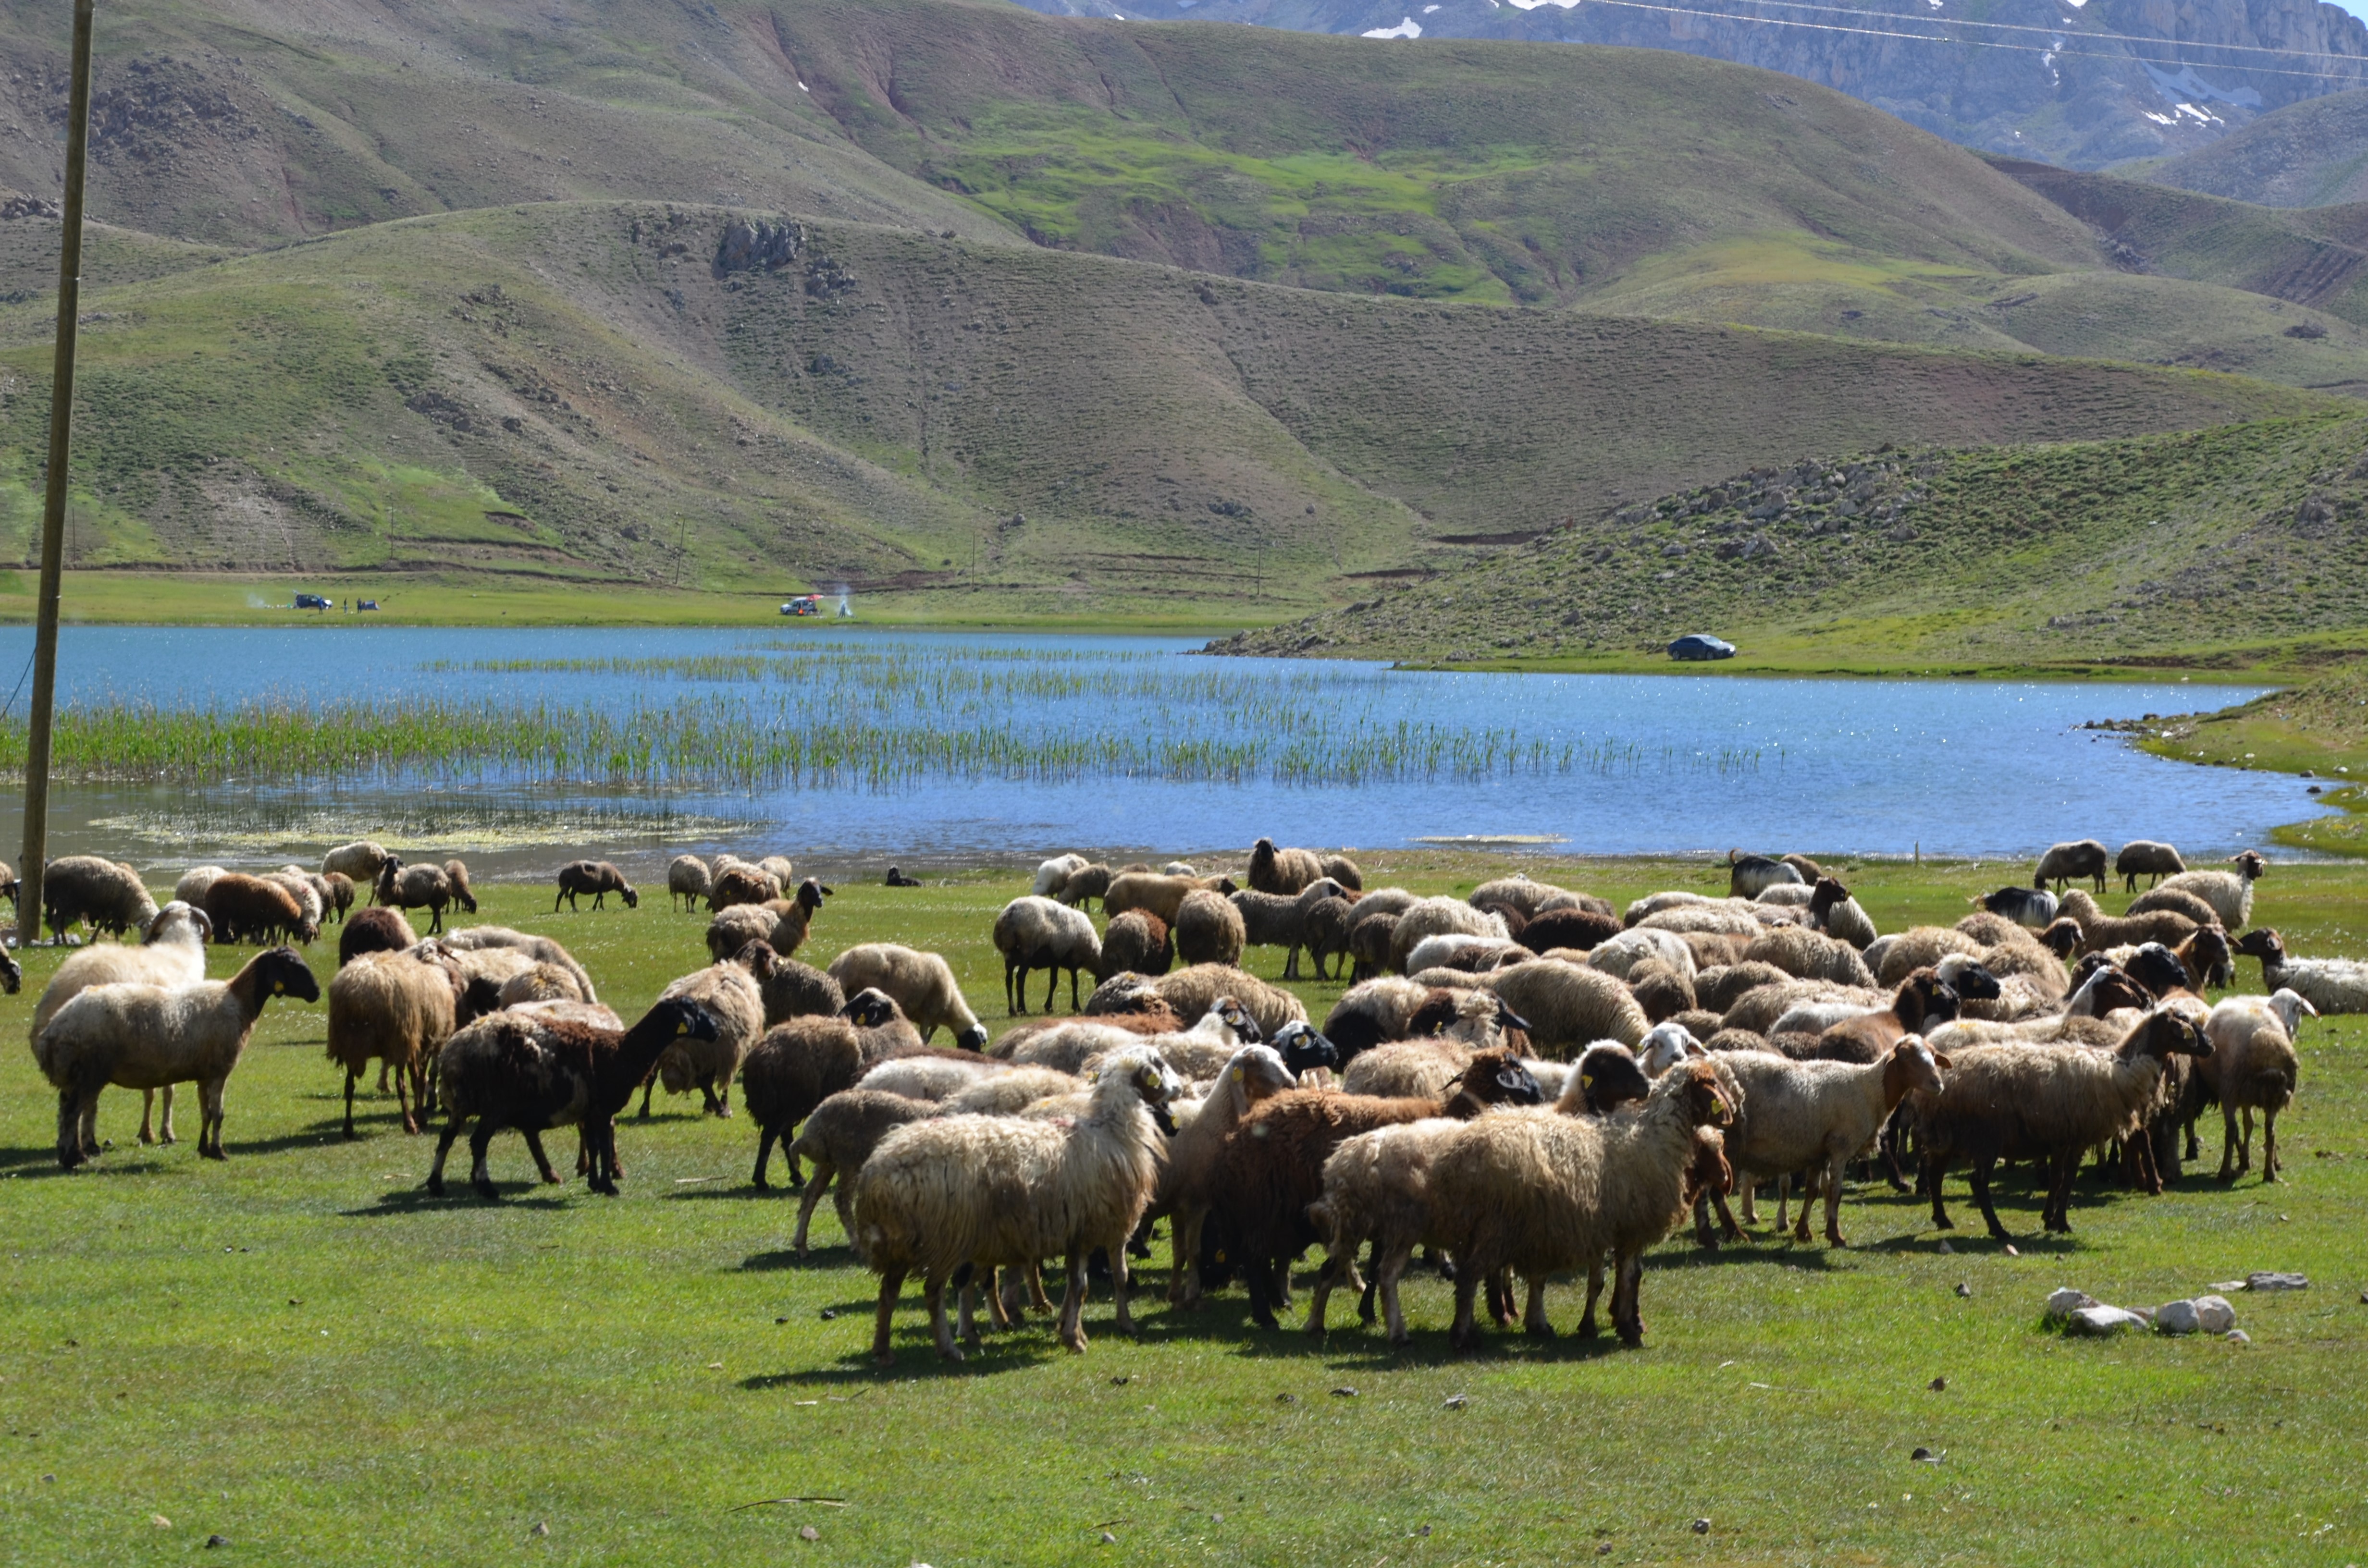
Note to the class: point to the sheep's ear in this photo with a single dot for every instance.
(1941, 1060)
(1237, 1074)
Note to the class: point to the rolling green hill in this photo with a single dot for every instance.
(2243, 547)
(612, 390)
(2310, 153)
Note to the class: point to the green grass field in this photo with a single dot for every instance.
(301, 1352)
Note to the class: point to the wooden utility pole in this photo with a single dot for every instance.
(53, 511)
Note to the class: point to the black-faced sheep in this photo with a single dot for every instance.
(1272, 1165)
(2045, 1102)
(1137, 943)
(1749, 876)
(109, 897)
(984, 1192)
(2063, 863)
(415, 887)
(1325, 927)
(151, 1037)
(597, 877)
(1040, 933)
(1832, 911)
(172, 952)
(533, 1072)
(921, 984)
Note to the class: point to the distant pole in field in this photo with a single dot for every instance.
(53, 509)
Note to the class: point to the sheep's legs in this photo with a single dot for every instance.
(807, 1205)
(1893, 1135)
(1053, 986)
(1979, 1176)
(2059, 1193)
(1463, 1335)
(209, 1120)
(1073, 1005)
(479, 1141)
(541, 1161)
(1117, 1292)
(1387, 1272)
(1930, 1177)
(1015, 997)
(933, 1296)
(351, 1076)
(1036, 1297)
(1833, 1207)
(1184, 1255)
(1627, 1287)
(766, 1136)
(1534, 1320)
(2269, 1142)
(148, 1104)
(443, 1147)
(1073, 1298)
(70, 1152)
(892, 1284)
(1586, 1329)
(2235, 1157)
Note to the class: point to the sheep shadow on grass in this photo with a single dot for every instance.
(460, 1195)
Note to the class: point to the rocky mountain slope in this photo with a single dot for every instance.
(2084, 86)
(2311, 154)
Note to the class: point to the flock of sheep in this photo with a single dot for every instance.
(1519, 1084)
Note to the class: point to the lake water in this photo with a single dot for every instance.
(934, 749)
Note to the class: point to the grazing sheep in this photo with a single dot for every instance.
(1276, 920)
(1158, 892)
(1437, 917)
(361, 860)
(802, 1062)
(2252, 1066)
(191, 889)
(1325, 924)
(1458, 951)
(838, 1137)
(782, 925)
(2100, 931)
(730, 994)
(1893, 958)
(1832, 911)
(1137, 943)
(1369, 942)
(2330, 985)
(1616, 956)
(792, 989)
(137, 1036)
(1537, 1193)
(1084, 885)
(1053, 872)
(415, 887)
(597, 877)
(688, 879)
(737, 881)
(1272, 1165)
(1518, 893)
(543, 950)
(172, 952)
(2230, 893)
(987, 1192)
(1190, 992)
(249, 909)
(2178, 902)
(534, 1072)
(2145, 858)
(106, 894)
(312, 905)
(780, 868)
(2064, 863)
(921, 984)
(398, 1009)
(340, 895)
(1282, 871)
(456, 876)
(1810, 956)
(373, 930)
(1721, 988)
(1035, 932)
(1580, 929)
(1749, 876)
(2048, 1102)
(1566, 1007)
(1210, 928)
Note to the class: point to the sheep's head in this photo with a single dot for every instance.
(1663, 1047)
(810, 893)
(11, 976)
(1828, 895)
(1968, 977)
(684, 1018)
(2210, 960)
(2263, 942)
(1911, 1067)
(1238, 1020)
(1259, 1071)
(2166, 1032)
(2292, 1008)
(178, 916)
(2249, 865)
(283, 973)
(868, 1009)
(632, 900)
(758, 958)
(2157, 969)
(1706, 1098)
(1302, 1050)
(2061, 937)
(1607, 1077)
(1497, 1077)
(973, 1038)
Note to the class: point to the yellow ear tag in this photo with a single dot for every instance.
(1587, 1080)
(1237, 1074)
(682, 1029)
(280, 988)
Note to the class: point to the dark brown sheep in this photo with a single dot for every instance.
(248, 909)
(597, 877)
(415, 887)
(341, 893)
(740, 884)
(456, 876)
(373, 930)
(1272, 1165)
(1661, 991)
(1286, 871)
(1137, 942)
(802, 1062)
(1580, 929)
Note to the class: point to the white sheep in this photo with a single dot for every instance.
(1434, 952)
(934, 1076)
(148, 1037)
(172, 952)
(1437, 917)
(688, 879)
(921, 984)
(2230, 893)
(1052, 873)
(1037, 931)
(1816, 1117)
(1009, 1092)
(2252, 1067)
(2330, 985)
(990, 1192)
(1618, 955)
(361, 860)
(191, 889)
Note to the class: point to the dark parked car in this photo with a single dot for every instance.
(1701, 645)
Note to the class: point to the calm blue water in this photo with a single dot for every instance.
(1602, 763)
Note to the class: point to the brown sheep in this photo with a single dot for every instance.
(597, 877)
(740, 882)
(1272, 1166)
(2100, 931)
(1582, 930)
(1209, 929)
(1137, 943)
(802, 1062)
(249, 909)
(1158, 892)
(373, 930)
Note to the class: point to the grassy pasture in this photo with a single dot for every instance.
(298, 1351)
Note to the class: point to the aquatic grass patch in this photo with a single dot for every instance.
(839, 717)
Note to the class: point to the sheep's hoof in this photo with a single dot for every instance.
(1588, 1329)
(883, 1358)
(485, 1190)
(435, 1189)
(1539, 1330)
(1632, 1339)
(550, 1178)
(1833, 1238)
(211, 1153)
(1074, 1344)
